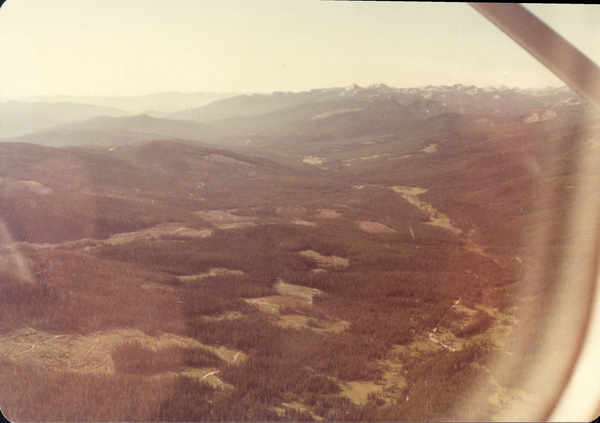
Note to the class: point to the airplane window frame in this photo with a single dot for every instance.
(582, 75)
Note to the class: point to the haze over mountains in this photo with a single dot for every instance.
(339, 254)
(18, 118)
(259, 120)
(159, 102)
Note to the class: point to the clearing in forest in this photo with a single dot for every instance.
(411, 194)
(93, 353)
(374, 227)
(325, 261)
(225, 219)
(328, 214)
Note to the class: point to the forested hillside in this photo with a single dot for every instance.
(345, 254)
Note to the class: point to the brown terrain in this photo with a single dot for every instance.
(364, 257)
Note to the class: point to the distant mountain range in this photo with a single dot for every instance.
(427, 101)
(266, 122)
(158, 103)
(19, 118)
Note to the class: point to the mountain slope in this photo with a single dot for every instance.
(428, 101)
(18, 118)
(167, 102)
(324, 119)
(109, 131)
(355, 112)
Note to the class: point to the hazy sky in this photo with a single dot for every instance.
(131, 47)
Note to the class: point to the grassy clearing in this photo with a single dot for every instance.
(211, 272)
(299, 321)
(132, 357)
(295, 411)
(359, 392)
(102, 351)
(325, 261)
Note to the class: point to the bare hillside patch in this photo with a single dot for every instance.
(374, 227)
(289, 296)
(388, 388)
(325, 261)
(313, 160)
(219, 217)
(219, 271)
(297, 291)
(431, 148)
(161, 230)
(91, 353)
(328, 214)
(299, 321)
(411, 194)
(303, 223)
